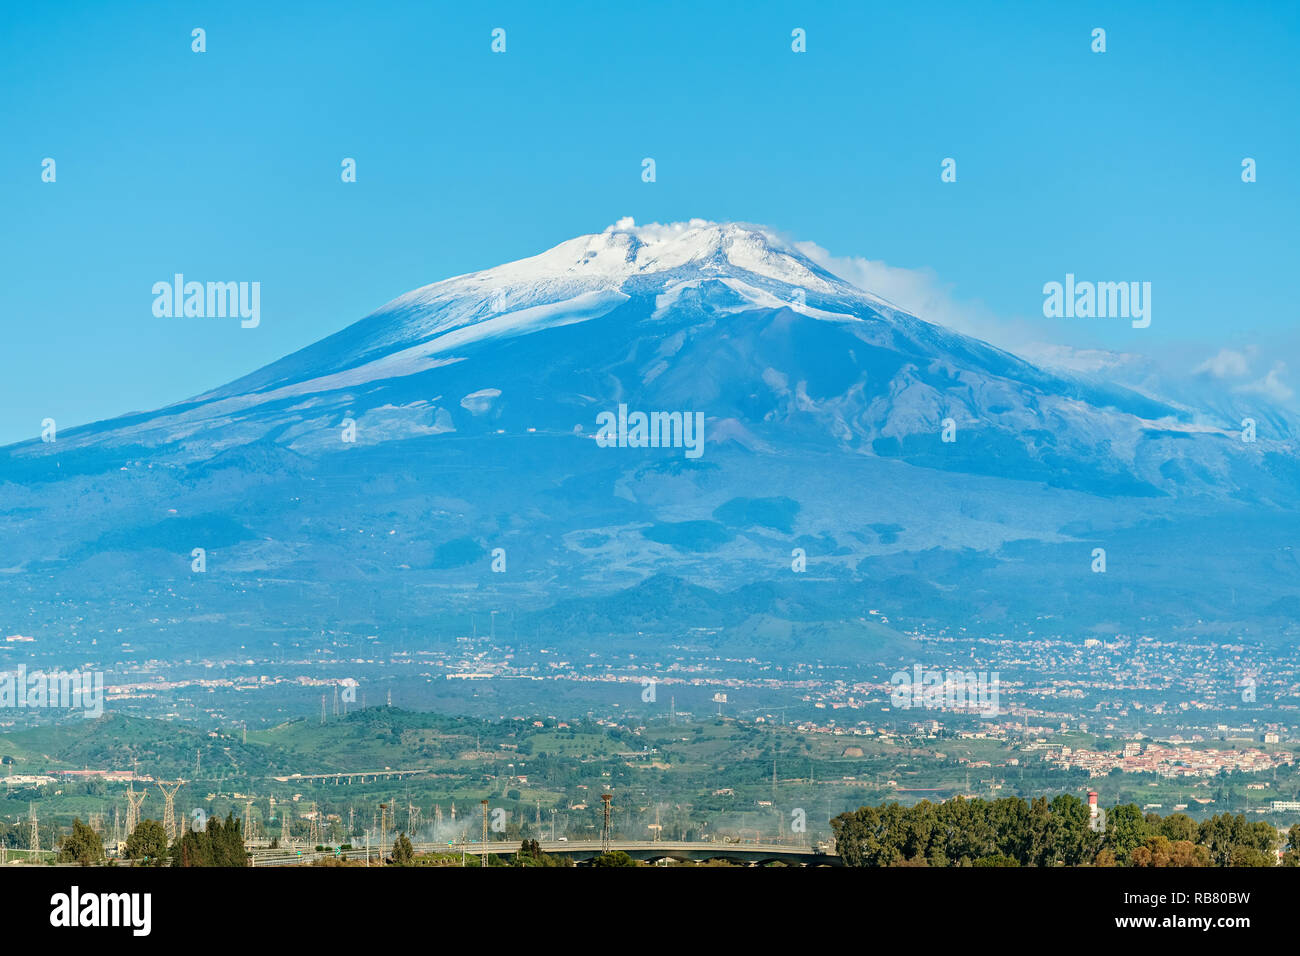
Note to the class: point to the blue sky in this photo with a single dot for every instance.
(225, 165)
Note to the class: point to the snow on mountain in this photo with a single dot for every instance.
(579, 279)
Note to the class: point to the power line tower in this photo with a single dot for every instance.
(604, 831)
(485, 815)
(286, 827)
(313, 830)
(97, 822)
(169, 808)
(322, 708)
(336, 700)
(134, 801)
(33, 832)
(248, 818)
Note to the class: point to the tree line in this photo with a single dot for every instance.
(1059, 832)
(220, 843)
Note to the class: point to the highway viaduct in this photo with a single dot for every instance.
(584, 851)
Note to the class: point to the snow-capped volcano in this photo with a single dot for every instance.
(724, 318)
(576, 281)
(465, 416)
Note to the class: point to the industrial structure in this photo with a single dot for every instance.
(169, 807)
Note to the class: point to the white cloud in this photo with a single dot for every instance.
(1228, 363)
(1160, 372)
(1271, 385)
(923, 294)
(1091, 361)
(917, 291)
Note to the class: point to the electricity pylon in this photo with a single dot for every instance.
(313, 832)
(169, 808)
(134, 801)
(604, 833)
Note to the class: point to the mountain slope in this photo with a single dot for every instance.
(473, 407)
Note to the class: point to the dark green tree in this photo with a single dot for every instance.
(147, 843)
(1177, 826)
(616, 858)
(220, 844)
(83, 845)
(1291, 857)
(1069, 840)
(1126, 830)
(530, 854)
(403, 852)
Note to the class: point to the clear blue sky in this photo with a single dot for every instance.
(225, 165)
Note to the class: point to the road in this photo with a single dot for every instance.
(583, 850)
